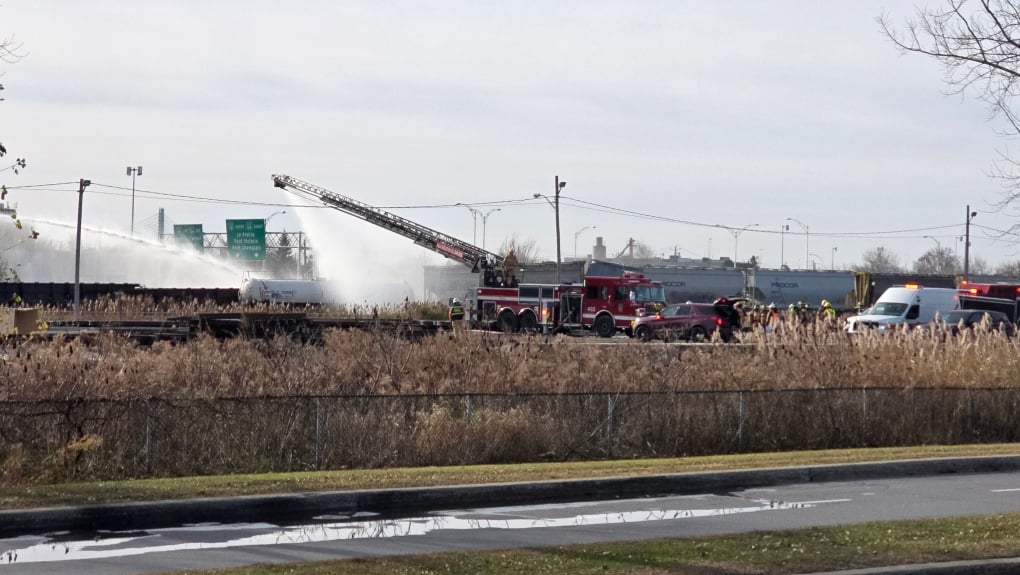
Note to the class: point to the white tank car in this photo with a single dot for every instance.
(307, 292)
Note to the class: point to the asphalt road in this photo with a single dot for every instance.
(783, 506)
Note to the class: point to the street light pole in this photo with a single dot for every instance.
(736, 233)
(807, 241)
(485, 218)
(578, 234)
(782, 244)
(832, 262)
(137, 171)
(556, 207)
(82, 184)
(270, 216)
(559, 186)
(966, 245)
(474, 218)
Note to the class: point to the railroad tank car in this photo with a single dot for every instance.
(306, 292)
(696, 284)
(785, 287)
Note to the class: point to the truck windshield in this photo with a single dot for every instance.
(888, 308)
(649, 294)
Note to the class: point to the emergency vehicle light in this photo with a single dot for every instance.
(912, 286)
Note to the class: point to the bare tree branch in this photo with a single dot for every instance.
(978, 44)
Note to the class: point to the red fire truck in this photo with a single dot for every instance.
(1004, 297)
(603, 305)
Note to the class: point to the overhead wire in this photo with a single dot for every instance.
(564, 199)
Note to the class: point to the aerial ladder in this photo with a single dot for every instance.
(488, 264)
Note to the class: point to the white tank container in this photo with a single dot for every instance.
(254, 290)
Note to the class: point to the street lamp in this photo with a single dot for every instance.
(807, 241)
(485, 218)
(82, 184)
(556, 207)
(782, 244)
(266, 221)
(474, 217)
(736, 233)
(938, 245)
(137, 171)
(966, 245)
(814, 267)
(577, 234)
(832, 262)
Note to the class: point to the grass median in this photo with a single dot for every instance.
(111, 492)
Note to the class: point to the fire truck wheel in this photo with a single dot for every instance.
(604, 326)
(528, 321)
(643, 333)
(507, 321)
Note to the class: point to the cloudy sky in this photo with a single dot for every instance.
(667, 119)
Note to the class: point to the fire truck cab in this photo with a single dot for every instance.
(603, 305)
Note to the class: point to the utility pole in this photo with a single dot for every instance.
(136, 171)
(82, 184)
(966, 245)
(782, 244)
(559, 186)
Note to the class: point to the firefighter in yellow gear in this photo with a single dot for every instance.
(827, 313)
(456, 315)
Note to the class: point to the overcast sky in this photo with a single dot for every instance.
(711, 113)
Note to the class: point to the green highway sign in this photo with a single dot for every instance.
(189, 235)
(246, 239)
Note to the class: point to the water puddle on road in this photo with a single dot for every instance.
(106, 544)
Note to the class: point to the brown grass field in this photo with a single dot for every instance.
(111, 409)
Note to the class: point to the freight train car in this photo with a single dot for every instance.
(61, 294)
(296, 292)
(785, 287)
(696, 284)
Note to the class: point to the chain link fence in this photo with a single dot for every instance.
(79, 439)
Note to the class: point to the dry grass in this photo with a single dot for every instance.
(108, 409)
(358, 363)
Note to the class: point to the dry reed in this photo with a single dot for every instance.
(109, 408)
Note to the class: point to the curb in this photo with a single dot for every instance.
(1009, 566)
(299, 506)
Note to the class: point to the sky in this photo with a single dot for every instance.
(669, 121)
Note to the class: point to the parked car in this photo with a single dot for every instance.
(688, 321)
(973, 318)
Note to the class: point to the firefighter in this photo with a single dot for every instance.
(827, 313)
(456, 314)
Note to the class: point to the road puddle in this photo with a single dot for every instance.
(67, 547)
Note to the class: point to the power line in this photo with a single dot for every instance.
(574, 202)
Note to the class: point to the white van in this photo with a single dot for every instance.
(907, 305)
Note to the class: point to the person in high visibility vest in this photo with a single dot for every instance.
(827, 313)
(456, 314)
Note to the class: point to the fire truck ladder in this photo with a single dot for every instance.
(470, 255)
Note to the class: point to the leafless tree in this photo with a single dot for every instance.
(10, 52)
(525, 250)
(979, 266)
(1011, 269)
(939, 260)
(978, 44)
(878, 260)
